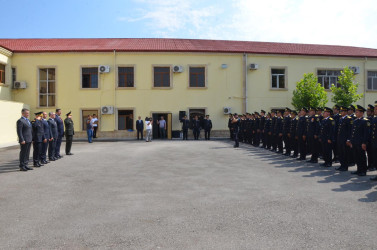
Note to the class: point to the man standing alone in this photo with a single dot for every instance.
(207, 127)
(139, 128)
(25, 137)
(69, 132)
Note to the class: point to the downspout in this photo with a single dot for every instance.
(365, 81)
(244, 83)
(115, 96)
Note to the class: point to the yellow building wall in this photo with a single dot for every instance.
(5, 90)
(224, 85)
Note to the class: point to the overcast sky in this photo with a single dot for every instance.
(341, 22)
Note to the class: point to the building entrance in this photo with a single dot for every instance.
(156, 131)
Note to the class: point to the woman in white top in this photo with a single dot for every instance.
(148, 127)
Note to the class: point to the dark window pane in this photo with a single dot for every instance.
(130, 80)
(42, 74)
(42, 100)
(94, 81)
(320, 80)
(51, 100)
(274, 82)
(370, 80)
(51, 74)
(122, 80)
(321, 72)
(326, 82)
(85, 81)
(43, 87)
(126, 70)
(51, 87)
(90, 70)
(14, 75)
(161, 76)
(126, 76)
(281, 81)
(197, 77)
(277, 71)
(375, 84)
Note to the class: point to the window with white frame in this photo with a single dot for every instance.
(277, 78)
(90, 78)
(328, 77)
(2, 73)
(372, 80)
(46, 87)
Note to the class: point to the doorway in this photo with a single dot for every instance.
(125, 120)
(197, 112)
(155, 127)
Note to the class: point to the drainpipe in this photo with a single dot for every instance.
(365, 81)
(115, 96)
(244, 83)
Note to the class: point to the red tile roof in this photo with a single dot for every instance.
(180, 45)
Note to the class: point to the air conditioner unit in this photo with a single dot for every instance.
(253, 66)
(103, 69)
(107, 110)
(227, 110)
(356, 70)
(19, 85)
(178, 69)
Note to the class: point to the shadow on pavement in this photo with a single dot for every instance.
(12, 166)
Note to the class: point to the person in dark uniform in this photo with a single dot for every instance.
(207, 128)
(196, 127)
(242, 133)
(273, 138)
(69, 132)
(230, 126)
(373, 139)
(47, 132)
(267, 131)
(279, 132)
(38, 139)
(286, 130)
(261, 127)
(327, 135)
(359, 140)
(249, 131)
(336, 116)
(343, 135)
(319, 113)
(252, 128)
(54, 134)
(351, 111)
(185, 127)
(370, 116)
(60, 124)
(25, 138)
(139, 128)
(301, 134)
(236, 127)
(313, 129)
(293, 134)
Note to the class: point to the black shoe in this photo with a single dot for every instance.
(371, 169)
(362, 174)
(28, 168)
(294, 156)
(343, 169)
(373, 178)
(45, 162)
(40, 165)
(51, 159)
(23, 169)
(69, 154)
(355, 172)
(301, 159)
(36, 166)
(323, 164)
(352, 164)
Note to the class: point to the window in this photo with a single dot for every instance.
(2, 73)
(278, 78)
(328, 77)
(161, 77)
(125, 119)
(197, 77)
(126, 77)
(14, 75)
(47, 87)
(90, 78)
(372, 80)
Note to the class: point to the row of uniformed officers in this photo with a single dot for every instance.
(45, 134)
(340, 134)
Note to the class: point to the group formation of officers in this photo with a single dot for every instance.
(340, 134)
(45, 134)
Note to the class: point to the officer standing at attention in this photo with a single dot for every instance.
(236, 127)
(327, 135)
(313, 129)
(267, 131)
(38, 139)
(370, 116)
(230, 126)
(301, 134)
(286, 130)
(54, 135)
(293, 135)
(359, 139)
(25, 137)
(273, 137)
(69, 132)
(207, 127)
(48, 136)
(196, 128)
(279, 132)
(373, 139)
(261, 127)
(343, 135)
(185, 127)
(60, 124)
(336, 116)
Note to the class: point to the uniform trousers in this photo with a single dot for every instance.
(314, 147)
(279, 143)
(51, 149)
(58, 144)
(293, 145)
(302, 147)
(37, 149)
(287, 143)
(185, 132)
(236, 139)
(327, 152)
(196, 132)
(361, 158)
(370, 155)
(207, 134)
(68, 144)
(44, 151)
(24, 154)
(139, 132)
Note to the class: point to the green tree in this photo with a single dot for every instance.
(309, 93)
(346, 92)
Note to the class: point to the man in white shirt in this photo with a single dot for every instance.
(148, 127)
(94, 121)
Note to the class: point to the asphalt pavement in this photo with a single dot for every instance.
(183, 195)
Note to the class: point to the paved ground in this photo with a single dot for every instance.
(182, 195)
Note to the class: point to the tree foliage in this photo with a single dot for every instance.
(309, 93)
(346, 92)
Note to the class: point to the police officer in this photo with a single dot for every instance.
(336, 116)
(301, 134)
(342, 136)
(261, 127)
(54, 136)
(185, 126)
(230, 126)
(313, 129)
(267, 131)
(286, 130)
(38, 139)
(207, 127)
(279, 132)
(236, 127)
(327, 135)
(292, 136)
(257, 130)
(60, 124)
(373, 139)
(273, 138)
(69, 132)
(359, 139)
(48, 136)
(370, 116)
(196, 127)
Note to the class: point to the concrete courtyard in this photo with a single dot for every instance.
(183, 195)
